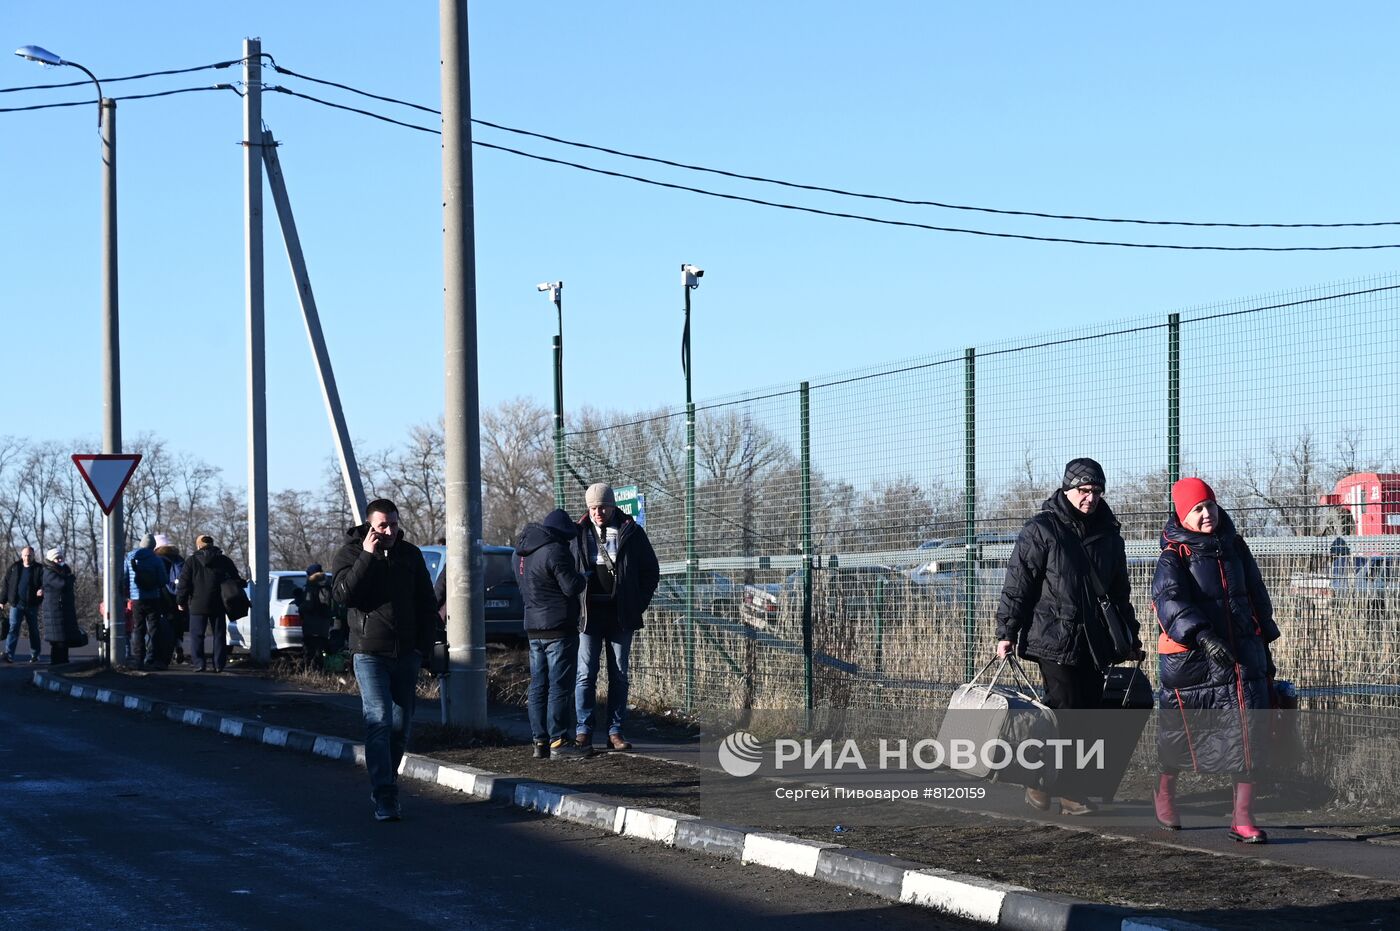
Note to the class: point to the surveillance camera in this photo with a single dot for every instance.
(543, 286)
(691, 275)
(693, 270)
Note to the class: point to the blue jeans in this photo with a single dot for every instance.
(20, 613)
(552, 665)
(386, 695)
(590, 650)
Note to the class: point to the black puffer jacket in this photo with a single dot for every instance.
(550, 581)
(638, 573)
(1211, 582)
(388, 596)
(197, 589)
(1048, 595)
(60, 610)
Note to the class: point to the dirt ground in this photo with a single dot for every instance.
(1222, 892)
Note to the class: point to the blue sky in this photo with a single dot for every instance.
(1247, 112)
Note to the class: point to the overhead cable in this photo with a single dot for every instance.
(88, 103)
(130, 77)
(887, 198)
(848, 216)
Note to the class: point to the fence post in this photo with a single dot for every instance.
(970, 510)
(879, 626)
(690, 554)
(1173, 398)
(806, 441)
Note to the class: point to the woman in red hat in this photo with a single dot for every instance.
(1213, 655)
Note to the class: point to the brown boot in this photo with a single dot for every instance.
(616, 742)
(1037, 799)
(584, 741)
(1069, 806)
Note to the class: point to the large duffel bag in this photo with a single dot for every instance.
(1128, 694)
(986, 713)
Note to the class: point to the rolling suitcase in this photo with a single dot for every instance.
(983, 713)
(1128, 694)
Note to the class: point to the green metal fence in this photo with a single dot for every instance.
(850, 533)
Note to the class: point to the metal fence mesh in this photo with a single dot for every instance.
(852, 532)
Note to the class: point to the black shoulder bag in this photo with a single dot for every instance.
(1117, 643)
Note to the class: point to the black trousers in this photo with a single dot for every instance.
(149, 632)
(1071, 688)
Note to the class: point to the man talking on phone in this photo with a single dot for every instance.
(383, 582)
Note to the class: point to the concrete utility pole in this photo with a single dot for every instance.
(114, 529)
(259, 632)
(466, 621)
(349, 469)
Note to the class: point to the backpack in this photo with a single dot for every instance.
(146, 577)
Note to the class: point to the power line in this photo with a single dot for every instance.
(887, 198)
(864, 218)
(129, 77)
(88, 103)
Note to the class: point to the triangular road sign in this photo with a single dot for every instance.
(106, 474)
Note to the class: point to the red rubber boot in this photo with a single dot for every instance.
(1242, 826)
(1164, 801)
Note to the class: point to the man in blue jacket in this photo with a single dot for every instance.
(551, 585)
(146, 581)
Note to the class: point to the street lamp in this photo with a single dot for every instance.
(113, 533)
(556, 294)
(690, 280)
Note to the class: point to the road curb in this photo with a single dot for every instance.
(999, 905)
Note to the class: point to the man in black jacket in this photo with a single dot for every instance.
(384, 584)
(623, 573)
(551, 584)
(1049, 609)
(199, 591)
(21, 597)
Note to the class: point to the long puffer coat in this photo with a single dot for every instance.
(59, 609)
(1048, 601)
(1211, 716)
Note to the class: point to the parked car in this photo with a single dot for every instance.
(284, 617)
(716, 595)
(1370, 578)
(504, 608)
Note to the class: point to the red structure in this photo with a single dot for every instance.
(1371, 500)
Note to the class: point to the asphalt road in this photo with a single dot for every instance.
(116, 820)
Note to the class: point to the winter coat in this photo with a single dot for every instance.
(146, 559)
(315, 606)
(388, 596)
(11, 595)
(59, 611)
(199, 587)
(174, 565)
(637, 571)
(1212, 716)
(550, 581)
(1049, 597)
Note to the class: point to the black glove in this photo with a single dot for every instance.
(1215, 648)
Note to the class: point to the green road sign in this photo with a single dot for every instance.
(632, 502)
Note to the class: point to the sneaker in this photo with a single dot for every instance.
(563, 750)
(541, 749)
(34, 658)
(9, 658)
(386, 809)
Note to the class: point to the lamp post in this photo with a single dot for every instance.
(690, 280)
(556, 294)
(113, 528)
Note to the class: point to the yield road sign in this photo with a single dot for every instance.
(106, 474)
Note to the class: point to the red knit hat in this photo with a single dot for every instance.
(1187, 493)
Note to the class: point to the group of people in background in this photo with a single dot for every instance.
(1215, 622)
(585, 585)
(169, 599)
(36, 592)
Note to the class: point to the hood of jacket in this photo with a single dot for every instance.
(537, 536)
(170, 552)
(1209, 544)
